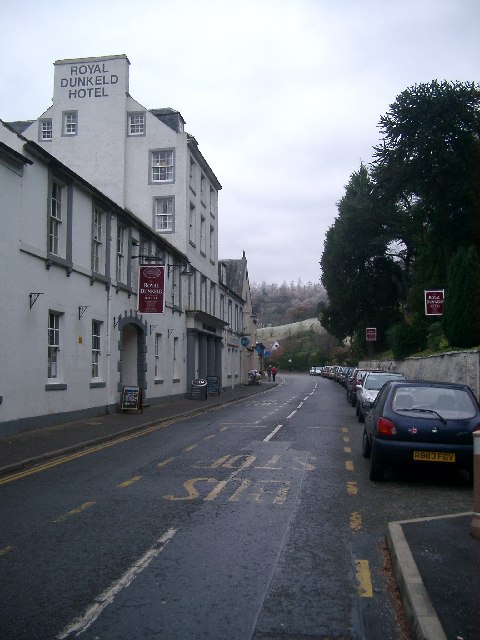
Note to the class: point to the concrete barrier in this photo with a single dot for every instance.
(455, 366)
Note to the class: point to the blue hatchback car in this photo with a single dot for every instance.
(421, 423)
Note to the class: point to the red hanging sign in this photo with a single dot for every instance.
(434, 301)
(151, 285)
(371, 334)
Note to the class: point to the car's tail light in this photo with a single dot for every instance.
(386, 427)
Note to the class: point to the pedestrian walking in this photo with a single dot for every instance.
(269, 372)
(274, 373)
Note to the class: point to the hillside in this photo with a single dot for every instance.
(272, 334)
(280, 305)
(298, 345)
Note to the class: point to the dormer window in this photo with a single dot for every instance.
(223, 273)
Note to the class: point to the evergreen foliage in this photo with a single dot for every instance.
(401, 221)
(358, 272)
(405, 339)
(461, 319)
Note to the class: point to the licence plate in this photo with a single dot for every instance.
(433, 456)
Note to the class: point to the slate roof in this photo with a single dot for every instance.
(19, 126)
(236, 273)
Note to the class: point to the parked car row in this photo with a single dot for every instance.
(316, 371)
(335, 372)
(412, 422)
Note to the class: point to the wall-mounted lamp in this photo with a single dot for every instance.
(186, 271)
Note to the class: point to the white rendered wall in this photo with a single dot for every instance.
(97, 89)
(24, 386)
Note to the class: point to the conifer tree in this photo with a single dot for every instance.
(461, 319)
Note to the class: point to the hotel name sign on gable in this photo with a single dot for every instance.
(88, 81)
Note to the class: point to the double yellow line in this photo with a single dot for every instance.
(84, 452)
(362, 567)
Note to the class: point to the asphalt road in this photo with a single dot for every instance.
(254, 521)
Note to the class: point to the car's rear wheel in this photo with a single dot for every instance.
(366, 447)
(377, 470)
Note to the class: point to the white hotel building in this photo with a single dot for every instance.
(94, 187)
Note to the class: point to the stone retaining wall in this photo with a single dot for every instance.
(456, 366)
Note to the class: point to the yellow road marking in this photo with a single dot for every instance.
(219, 487)
(344, 430)
(355, 521)
(191, 447)
(209, 437)
(192, 491)
(85, 452)
(74, 512)
(352, 488)
(165, 462)
(362, 573)
(349, 465)
(128, 482)
(347, 449)
(346, 438)
(6, 550)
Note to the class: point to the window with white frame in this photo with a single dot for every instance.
(203, 293)
(159, 253)
(211, 244)
(98, 240)
(136, 124)
(96, 348)
(70, 123)
(213, 202)
(56, 231)
(193, 176)
(158, 350)
(203, 235)
(222, 307)
(144, 247)
(53, 345)
(164, 214)
(192, 224)
(223, 273)
(162, 165)
(175, 279)
(46, 129)
(176, 361)
(191, 291)
(212, 299)
(121, 252)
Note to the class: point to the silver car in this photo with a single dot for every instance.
(368, 390)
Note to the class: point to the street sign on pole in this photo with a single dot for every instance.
(434, 302)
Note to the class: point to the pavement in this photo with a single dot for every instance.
(436, 561)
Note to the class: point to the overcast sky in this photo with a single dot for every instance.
(283, 96)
